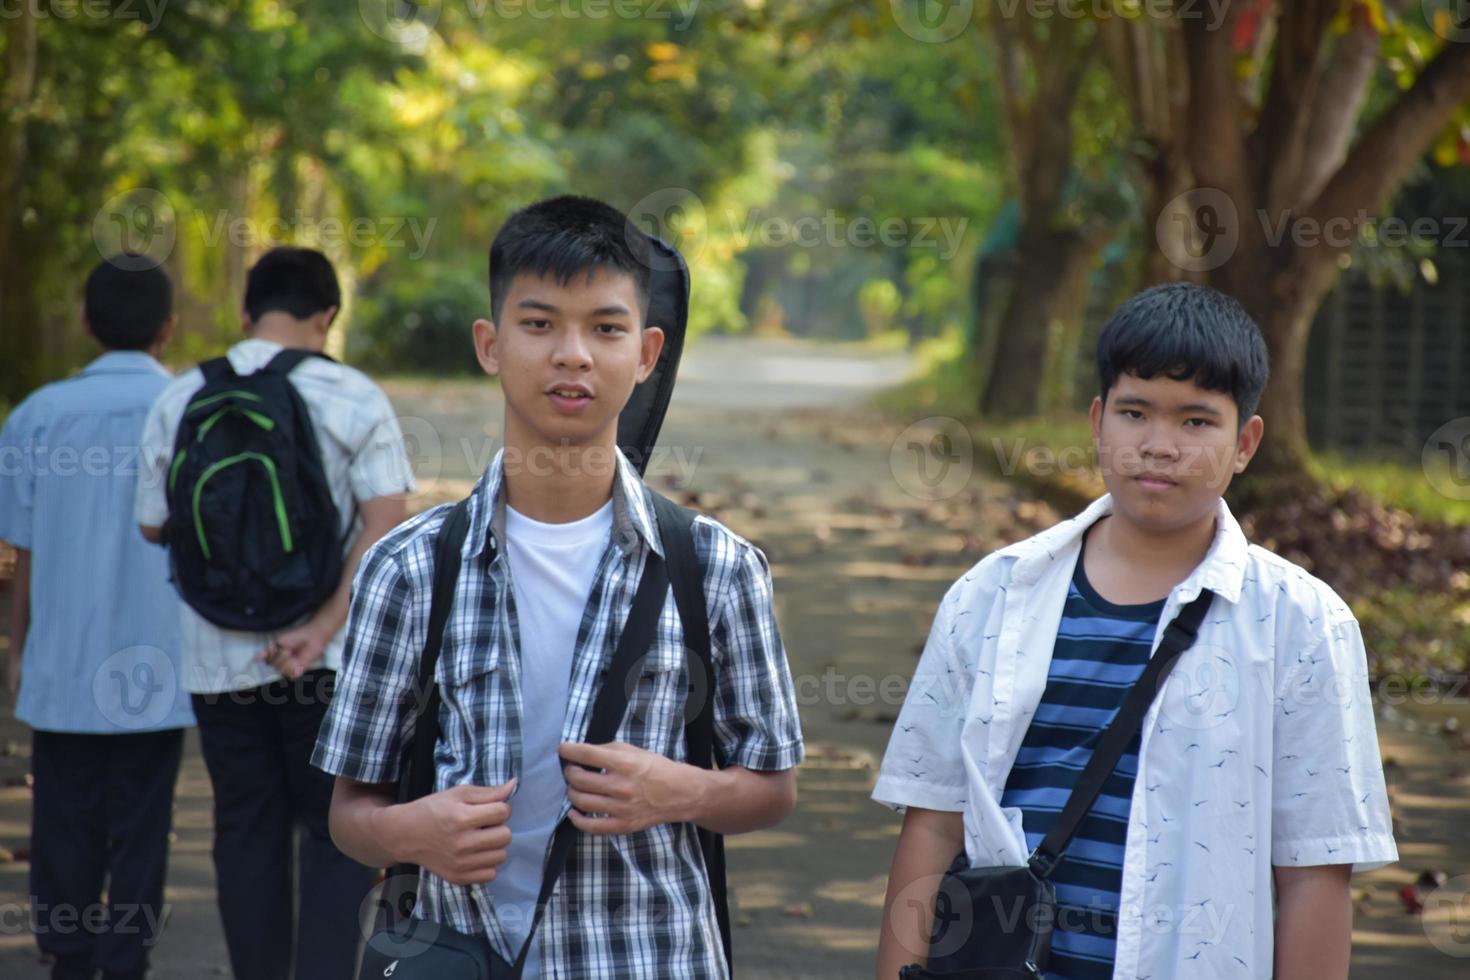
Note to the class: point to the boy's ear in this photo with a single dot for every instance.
(1094, 417)
(653, 345)
(485, 352)
(324, 319)
(246, 323)
(1248, 441)
(165, 333)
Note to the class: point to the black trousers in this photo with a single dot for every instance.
(257, 745)
(102, 811)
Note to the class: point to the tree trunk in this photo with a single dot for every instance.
(1051, 266)
(1285, 306)
(19, 364)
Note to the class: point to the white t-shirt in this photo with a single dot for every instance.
(364, 457)
(552, 567)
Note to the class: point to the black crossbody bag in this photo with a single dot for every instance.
(996, 923)
(405, 948)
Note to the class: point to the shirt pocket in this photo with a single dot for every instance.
(475, 713)
(658, 689)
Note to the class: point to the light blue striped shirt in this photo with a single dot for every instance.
(102, 651)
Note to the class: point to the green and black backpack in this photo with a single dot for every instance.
(253, 533)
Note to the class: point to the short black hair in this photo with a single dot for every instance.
(1189, 333)
(126, 301)
(298, 281)
(568, 236)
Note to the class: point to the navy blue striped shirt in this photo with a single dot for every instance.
(1101, 649)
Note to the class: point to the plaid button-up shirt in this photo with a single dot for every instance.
(631, 906)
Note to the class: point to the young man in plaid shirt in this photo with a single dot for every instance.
(560, 527)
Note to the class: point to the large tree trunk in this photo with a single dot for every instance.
(1294, 165)
(1052, 268)
(19, 367)
(1053, 253)
(1285, 306)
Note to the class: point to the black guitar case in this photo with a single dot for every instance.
(668, 309)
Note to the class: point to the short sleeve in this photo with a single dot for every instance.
(923, 766)
(1329, 801)
(370, 719)
(150, 502)
(379, 466)
(17, 479)
(757, 724)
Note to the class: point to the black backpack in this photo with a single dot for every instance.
(253, 533)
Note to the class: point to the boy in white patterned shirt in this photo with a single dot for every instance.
(260, 696)
(1257, 768)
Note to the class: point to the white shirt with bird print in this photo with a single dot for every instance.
(1260, 750)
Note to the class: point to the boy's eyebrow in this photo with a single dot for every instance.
(617, 309)
(1199, 408)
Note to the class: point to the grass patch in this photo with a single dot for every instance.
(1395, 483)
(944, 382)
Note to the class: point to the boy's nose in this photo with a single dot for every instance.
(572, 352)
(1159, 448)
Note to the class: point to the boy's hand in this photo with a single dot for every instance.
(636, 789)
(459, 834)
(297, 650)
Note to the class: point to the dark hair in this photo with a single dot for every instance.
(568, 236)
(1189, 333)
(296, 281)
(126, 301)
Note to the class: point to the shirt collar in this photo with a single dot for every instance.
(1222, 571)
(124, 361)
(632, 513)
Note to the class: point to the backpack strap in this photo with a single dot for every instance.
(287, 358)
(1179, 636)
(418, 780)
(686, 574)
(217, 369)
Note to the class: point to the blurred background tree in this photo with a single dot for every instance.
(1032, 169)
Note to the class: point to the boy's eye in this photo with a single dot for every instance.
(610, 328)
(1197, 423)
(536, 324)
(1132, 413)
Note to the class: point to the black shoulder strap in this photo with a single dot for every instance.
(447, 548)
(286, 359)
(676, 532)
(1179, 636)
(417, 778)
(216, 369)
